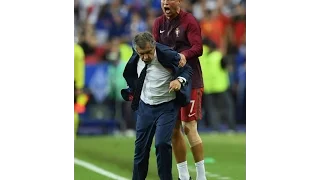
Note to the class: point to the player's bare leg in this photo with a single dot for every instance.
(76, 124)
(180, 151)
(179, 144)
(195, 142)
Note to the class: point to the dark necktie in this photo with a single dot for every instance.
(137, 92)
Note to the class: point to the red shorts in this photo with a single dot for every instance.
(193, 110)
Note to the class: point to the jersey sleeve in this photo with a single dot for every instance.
(155, 30)
(194, 38)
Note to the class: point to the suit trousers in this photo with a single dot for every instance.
(159, 121)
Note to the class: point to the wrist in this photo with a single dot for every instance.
(181, 80)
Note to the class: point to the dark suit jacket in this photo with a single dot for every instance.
(168, 58)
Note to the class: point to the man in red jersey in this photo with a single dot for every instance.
(180, 31)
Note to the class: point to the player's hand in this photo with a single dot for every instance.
(182, 61)
(175, 85)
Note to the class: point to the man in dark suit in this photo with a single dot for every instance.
(158, 87)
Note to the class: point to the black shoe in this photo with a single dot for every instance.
(189, 178)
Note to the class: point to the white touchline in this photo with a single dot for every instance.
(98, 170)
(209, 174)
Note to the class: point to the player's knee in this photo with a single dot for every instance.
(190, 129)
(177, 130)
(176, 134)
(177, 126)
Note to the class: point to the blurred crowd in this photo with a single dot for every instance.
(104, 29)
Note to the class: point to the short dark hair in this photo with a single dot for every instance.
(142, 39)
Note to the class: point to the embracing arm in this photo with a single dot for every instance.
(185, 73)
(194, 38)
(173, 64)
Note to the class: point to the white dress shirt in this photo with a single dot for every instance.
(155, 88)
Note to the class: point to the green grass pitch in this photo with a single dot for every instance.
(225, 157)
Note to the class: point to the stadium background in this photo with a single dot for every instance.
(104, 29)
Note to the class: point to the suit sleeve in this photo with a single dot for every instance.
(129, 72)
(194, 38)
(185, 72)
(130, 76)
